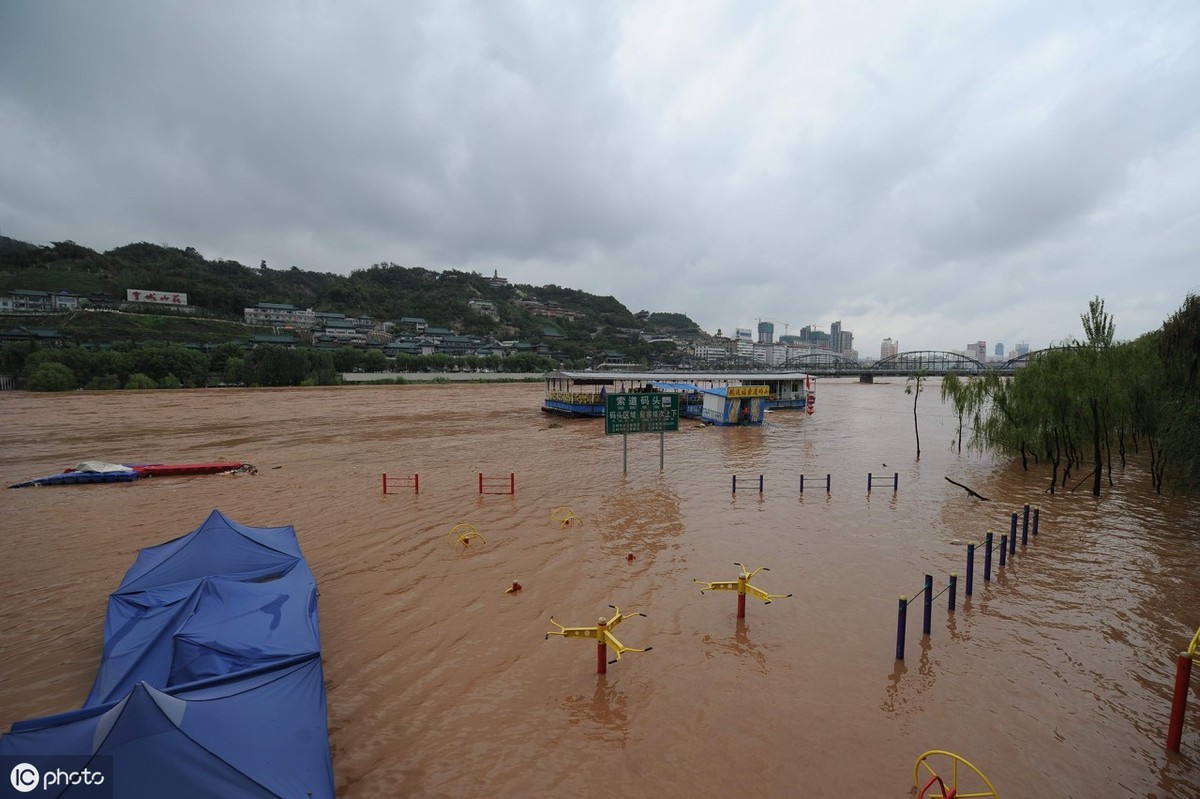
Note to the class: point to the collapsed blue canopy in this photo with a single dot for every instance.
(234, 581)
(210, 682)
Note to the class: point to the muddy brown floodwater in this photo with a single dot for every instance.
(1055, 679)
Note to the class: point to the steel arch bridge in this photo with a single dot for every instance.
(823, 362)
(827, 363)
(931, 362)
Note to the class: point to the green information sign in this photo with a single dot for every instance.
(641, 413)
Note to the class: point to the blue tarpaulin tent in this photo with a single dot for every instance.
(210, 682)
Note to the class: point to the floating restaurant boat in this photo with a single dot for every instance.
(721, 398)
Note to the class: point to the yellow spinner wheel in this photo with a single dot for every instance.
(462, 533)
(939, 774)
(564, 516)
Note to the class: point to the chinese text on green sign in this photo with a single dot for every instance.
(641, 413)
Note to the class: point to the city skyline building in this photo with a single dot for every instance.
(840, 341)
(888, 348)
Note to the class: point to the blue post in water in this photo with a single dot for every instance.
(827, 484)
(868, 482)
(927, 622)
(1003, 548)
(987, 558)
(970, 568)
(1012, 535)
(735, 484)
(1036, 511)
(801, 484)
(901, 620)
(953, 591)
(896, 481)
(1025, 526)
(760, 483)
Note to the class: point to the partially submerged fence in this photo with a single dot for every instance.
(893, 481)
(927, 616)
(828, 483)
(412, 481)
(498, 485)
(760, 484)
(1007, 546)
(487, 485)
(872, 480)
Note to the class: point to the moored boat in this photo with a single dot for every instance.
(75, 478)
(174, 469)
(101, 472)
(743, 397)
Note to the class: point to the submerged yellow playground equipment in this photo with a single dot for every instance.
(1183, 679)
(462, 534)
(602, 632)
(939, 774)
(565, 517)
(743, 587)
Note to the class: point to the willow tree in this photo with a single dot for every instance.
(1179, 351)
(1070, 403)
(1098, 374)
(1053, 408)
(1147, 407)
(970, 400)
(915, 381)
(952, 388)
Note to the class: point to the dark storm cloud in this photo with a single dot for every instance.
(937, 173)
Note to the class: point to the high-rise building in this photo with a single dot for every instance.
(835, 336)
(766, 333)
(999, 350)
(978, 351)
(847, 343)
(1022, 348)
(888, 348)
(743, 343)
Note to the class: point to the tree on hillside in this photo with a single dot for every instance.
(51, 377)
(271, 365)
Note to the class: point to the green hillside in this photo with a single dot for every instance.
(100, 327)
(221, 290)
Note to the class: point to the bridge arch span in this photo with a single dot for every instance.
(826, 361)
(933, 362)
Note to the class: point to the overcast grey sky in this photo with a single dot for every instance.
(933, 172)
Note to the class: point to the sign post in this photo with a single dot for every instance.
(649, 412)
